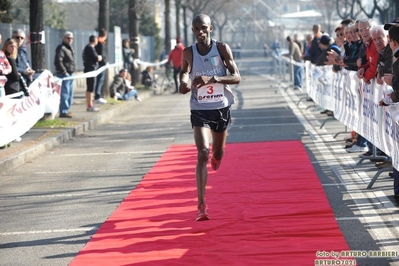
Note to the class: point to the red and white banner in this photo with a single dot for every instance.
(17, 116)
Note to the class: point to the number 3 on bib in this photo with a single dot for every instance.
(211, 93)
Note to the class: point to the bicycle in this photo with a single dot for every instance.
(167, 81)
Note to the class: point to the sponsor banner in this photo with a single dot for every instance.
(18, 115)
(355, 104)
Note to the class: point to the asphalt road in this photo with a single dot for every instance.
(51, 206)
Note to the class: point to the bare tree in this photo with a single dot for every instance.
(167, 27)
(178, 9)
(387, 10)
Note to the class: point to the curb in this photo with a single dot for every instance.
(63, 135)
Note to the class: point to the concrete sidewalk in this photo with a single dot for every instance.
(41, 139)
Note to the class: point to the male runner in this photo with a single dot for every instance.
(206, 63)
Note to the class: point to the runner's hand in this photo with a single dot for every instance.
(183, 88)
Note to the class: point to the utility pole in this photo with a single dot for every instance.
(167, 27)
(103, 23)
(134, 23)
(37, 35)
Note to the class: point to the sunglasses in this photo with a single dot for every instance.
(340, 34)
(19, 37)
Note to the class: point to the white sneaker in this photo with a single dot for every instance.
(100, 101)
(356, 148)
(92, 109)
(138, 99)
(18, 139)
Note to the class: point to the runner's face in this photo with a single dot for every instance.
(201, 31)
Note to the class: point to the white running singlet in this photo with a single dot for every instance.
(211, 96)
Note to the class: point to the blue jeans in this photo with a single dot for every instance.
(128, 95)
(298, 74)
(361, 141)
(99, 85)
(66, 94)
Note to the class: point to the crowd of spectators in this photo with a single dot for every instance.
(372, 51)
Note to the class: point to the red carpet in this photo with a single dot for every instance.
(266, 204)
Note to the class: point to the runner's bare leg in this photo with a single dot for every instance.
(201, 138)
(218, 144)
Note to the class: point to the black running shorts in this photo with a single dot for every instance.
(217, 120)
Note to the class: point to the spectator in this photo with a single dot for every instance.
(121, 89)
(15, 83)
(266, 50)
(101, 50)
(128, 58)
(393, 80)
(5, 69)
(384, 64)
(64, 62)
(90, 62)
(294, 52)
(326, 45)
(308, 44)
(22, 61)
(300, 43)
(275, 47)
(368, 70)
(146, 77)
(175, 57)
(238, 48)
(314, 51)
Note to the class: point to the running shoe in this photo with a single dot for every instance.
(215, 163)
(92, 109)
(100, 101)
(202, 214)
(356, 148)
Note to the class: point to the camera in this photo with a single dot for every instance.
(24, 86)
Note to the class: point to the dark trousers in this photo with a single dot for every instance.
(90, 84)
(99, 85)
(176, 72)
(395, 181)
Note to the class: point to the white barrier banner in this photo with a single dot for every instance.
(355, 104)
(17, 116)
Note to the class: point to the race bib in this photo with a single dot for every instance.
(211, 93)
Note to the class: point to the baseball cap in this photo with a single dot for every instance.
(325, 39)
(394, 22)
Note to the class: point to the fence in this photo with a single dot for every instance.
(356, 105)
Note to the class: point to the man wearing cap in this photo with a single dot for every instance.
(64, 62)
(326, 46)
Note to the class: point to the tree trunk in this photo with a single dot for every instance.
(134, 23)
(167, 27)
(185, 26)
(36, 29)
(103, 23)
(178, 7)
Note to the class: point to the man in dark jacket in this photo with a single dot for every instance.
(90, 63)
(101, 49)
(64, 62)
